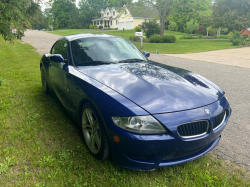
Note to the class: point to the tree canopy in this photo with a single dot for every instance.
(232, 14)
(15, 17)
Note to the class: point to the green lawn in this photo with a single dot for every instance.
(181, 45)
(41, 146)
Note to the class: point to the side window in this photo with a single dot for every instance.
(61, 47)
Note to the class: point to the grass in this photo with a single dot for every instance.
(41, 146)
(181, 45)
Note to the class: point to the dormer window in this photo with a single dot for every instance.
(102, 15)
(113, 13)
(107, 13)
(125, 12)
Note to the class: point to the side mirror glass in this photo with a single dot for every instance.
(146, 54)
(56, 58)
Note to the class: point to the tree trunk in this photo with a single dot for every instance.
(162, 26)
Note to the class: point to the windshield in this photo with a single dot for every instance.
(104, 50)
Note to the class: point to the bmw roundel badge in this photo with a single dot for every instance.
(208, 111)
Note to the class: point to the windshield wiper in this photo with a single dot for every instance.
(131, 60)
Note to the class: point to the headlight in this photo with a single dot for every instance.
(140, 124)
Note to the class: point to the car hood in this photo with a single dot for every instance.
(155, 87)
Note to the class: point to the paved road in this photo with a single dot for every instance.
(235, 142)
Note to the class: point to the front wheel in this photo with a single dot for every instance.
(94, 133)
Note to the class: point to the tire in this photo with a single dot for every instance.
(94, 134)
(44, 81)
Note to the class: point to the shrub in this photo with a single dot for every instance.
(200, 36)
(201, 30)
(96, 27)
(134, 39)
(155, 39)
(224, 37)
(230, 34)
(172, 39)
(100, 27)
(189, 37)
(91, 26)
(151, 27)
(162, 39)
(166, 39)
(236, 42)
(137, 29)
(245, 36)
(244, 42)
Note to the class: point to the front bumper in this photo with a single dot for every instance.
(147, 152)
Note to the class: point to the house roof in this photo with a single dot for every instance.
(143, 12)
(245, 31)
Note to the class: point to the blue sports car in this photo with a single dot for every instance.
(143, 114)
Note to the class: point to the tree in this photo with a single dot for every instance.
(192, 9)
(151, 27)
(90, 9)
(118, 3)
(65, 14)
(171, 8)
(172, 26)
(232, 14)
(38, 20)
(192, 26)
(164, 7)
(15, 17)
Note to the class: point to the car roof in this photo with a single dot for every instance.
(88, 35)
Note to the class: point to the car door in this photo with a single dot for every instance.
(58, 72)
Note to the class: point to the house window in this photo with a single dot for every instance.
(113, 13)
(102, 15)
(125, 12)
(111, 23)
(107, 13)
(116, 22)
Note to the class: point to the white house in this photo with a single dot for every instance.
(126, 17)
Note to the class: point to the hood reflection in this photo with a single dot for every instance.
(149, 72)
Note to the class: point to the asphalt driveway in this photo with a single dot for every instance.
(235, 81)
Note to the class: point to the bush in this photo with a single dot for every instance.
(162, 39)
(172, 39)
(245, 36)
(189, 37)
(230, 34)
(201, 30)
(134, 39)
(96, 27)
(200, 36)
(137, 29)
(236, 42)
(100, 27)
(166, 39)
(91, 26)
(155, 39)
(224, 37)
(151, 27)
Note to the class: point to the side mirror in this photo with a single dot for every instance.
(56, 58)
(146, 54)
